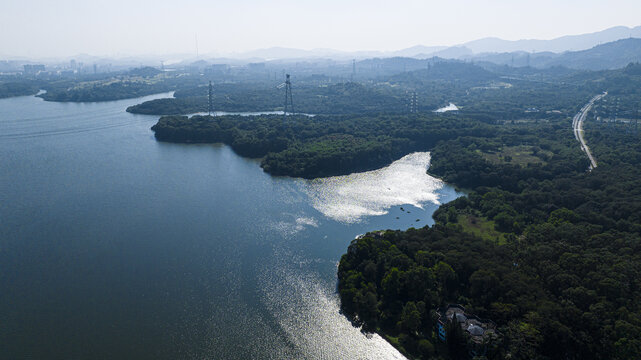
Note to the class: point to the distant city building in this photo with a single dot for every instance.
(256, 66)
(66, 73)
(33, 69)
(5, 66)
(73, 64)
(217, 69)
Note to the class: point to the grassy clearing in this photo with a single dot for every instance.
(482, 227)
(520, 155)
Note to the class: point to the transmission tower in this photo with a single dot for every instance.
(412, 102)
(288, 96)
(353, 70)
(211, 98)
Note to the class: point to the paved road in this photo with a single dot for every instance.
(577, 126)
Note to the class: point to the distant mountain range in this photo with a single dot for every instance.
(561, 44)
(611, 48)
(280, 53)
(466, 50)
(610, 55)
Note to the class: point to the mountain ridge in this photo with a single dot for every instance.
(471, 48)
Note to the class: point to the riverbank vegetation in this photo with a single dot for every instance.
(135, 83)
(342, 98)
(104, 91)
(11, 88)
(309, 147)
(114, 86)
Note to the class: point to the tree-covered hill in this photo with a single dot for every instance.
(547, 250)
(341, 98)
(317, 146)
(498, 94)
(18, 88)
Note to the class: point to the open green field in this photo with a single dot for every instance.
(518, 155)
(481, 227)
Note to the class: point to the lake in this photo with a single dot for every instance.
(114, 245)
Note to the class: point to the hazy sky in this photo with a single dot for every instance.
(38, 28)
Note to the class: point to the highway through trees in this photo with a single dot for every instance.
(577, 126)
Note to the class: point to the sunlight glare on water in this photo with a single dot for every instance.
(306, 308)
(351, 197)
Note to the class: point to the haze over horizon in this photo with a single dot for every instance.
(41, 29)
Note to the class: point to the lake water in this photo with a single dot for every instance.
(116, 246)
(449, 107)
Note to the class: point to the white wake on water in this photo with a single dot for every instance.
(351, 197)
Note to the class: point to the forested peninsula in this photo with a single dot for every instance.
(547, 250)
(18, 88)
(310, 147)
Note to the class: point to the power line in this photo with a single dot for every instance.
(288, 96)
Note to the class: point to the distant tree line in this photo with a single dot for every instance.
(18, 88)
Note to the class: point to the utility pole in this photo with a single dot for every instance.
(288, 97)
(353, 69)
(412, 102)
(211, 96)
